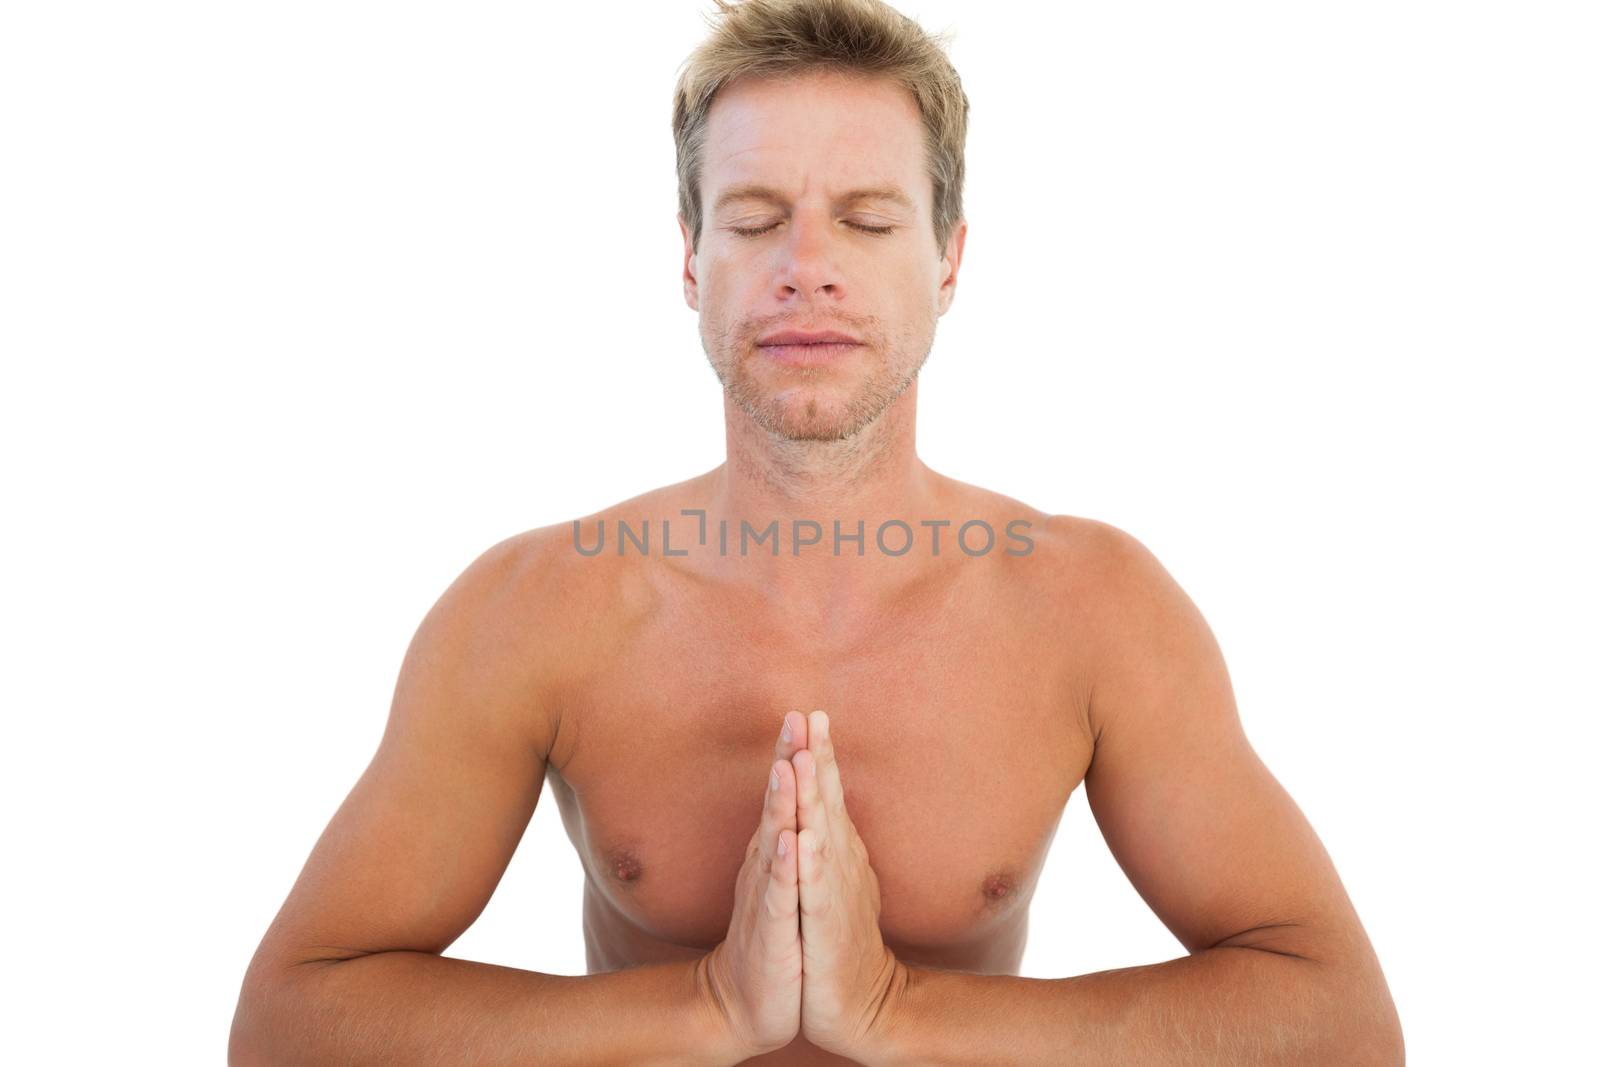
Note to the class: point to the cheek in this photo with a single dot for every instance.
(729, 288)
(914, 306)
(916, 284)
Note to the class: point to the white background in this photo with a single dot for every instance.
(304, 305)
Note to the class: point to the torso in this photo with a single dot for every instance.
(959, 720)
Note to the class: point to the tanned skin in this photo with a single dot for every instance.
(940, 707)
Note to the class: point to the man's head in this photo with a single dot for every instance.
(784, 113)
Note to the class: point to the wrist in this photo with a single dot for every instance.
(723, 1044)
(886, 1041)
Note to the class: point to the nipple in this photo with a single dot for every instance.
(625, 866)
(996, 887)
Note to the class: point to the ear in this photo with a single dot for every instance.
(691, 285)
(950, 264)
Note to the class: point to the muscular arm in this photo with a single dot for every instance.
(351, 970)
(1280, 970)
(406, 1007)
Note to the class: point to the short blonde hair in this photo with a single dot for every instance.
(784, 37)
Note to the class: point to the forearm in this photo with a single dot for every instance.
(1221, 1006)
(413, 1008)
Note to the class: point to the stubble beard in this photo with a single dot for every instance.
(805, 418)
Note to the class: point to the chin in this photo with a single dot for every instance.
(812, 419)
(821, 405)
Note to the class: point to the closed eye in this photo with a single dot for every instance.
(878, 230)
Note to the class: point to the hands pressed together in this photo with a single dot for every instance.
(804, 954)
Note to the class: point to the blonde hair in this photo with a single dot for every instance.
(783, 37)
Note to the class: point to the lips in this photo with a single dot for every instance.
(807, 337)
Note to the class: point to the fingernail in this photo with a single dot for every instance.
(783, 845)
(774, 778)
(788, 735)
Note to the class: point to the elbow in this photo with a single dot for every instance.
(1375, 1044)
(247, 1037)
(1379, 1041)
(265, 1001)
(1388, 1050)
(241, 1053)
(1395, 1050)
(1361, 1026)
(244, 1049)
(1359, 995)
(1391, 1036)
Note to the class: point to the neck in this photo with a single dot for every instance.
(860, 482)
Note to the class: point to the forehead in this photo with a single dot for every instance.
(825, 132)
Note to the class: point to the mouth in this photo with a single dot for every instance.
(808, 354)
(807, 337)
(807, 348)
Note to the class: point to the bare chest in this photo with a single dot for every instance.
(958, 744)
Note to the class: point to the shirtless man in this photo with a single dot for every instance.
(937, 706)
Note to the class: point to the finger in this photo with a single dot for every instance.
(809, 808)
(778, 813)
(792, 737)
(820, 744)
(781, 901)
(813, 886)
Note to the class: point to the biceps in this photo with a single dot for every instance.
(1210, 839)
(413, 854)
(1204, 831)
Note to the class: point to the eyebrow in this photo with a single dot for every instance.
(751, 191)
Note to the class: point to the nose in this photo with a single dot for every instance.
(810, 262)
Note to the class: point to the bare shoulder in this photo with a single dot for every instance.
(1111, 576)
(1060, 556)
(1095, 594)
(517, 616)
(578, 595)
(1097, 557)
(559, 607)
(1134, 624)
(548, 587)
